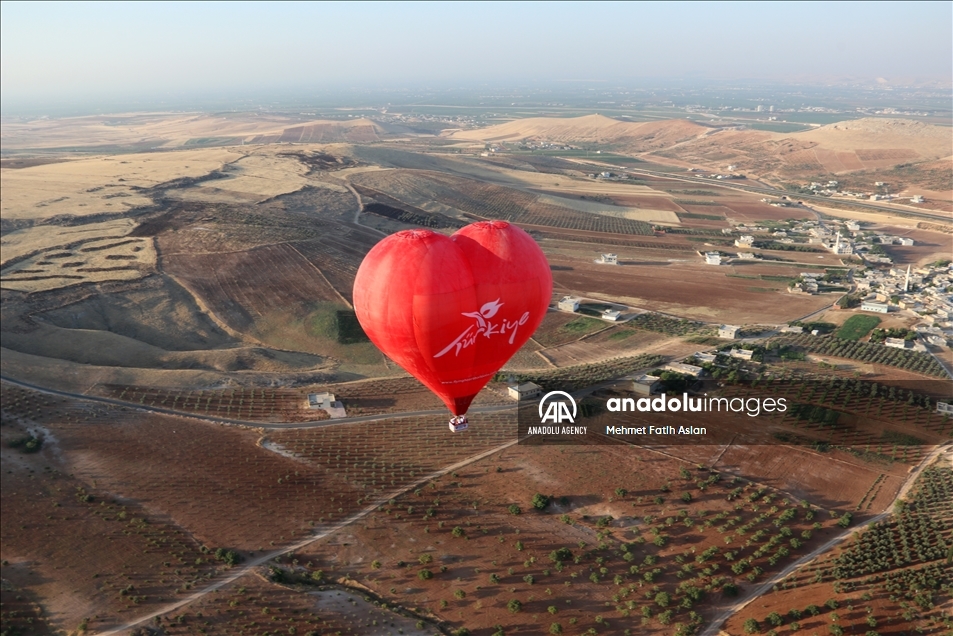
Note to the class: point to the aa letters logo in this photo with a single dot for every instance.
(557, 409)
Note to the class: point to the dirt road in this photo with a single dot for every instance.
(320, 533)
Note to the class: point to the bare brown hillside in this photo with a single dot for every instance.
(626, 136)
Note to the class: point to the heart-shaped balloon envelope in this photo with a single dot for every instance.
(453, 310)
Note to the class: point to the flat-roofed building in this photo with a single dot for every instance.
(568, 303)
(524, 391)
(645, 384)
(879, 308)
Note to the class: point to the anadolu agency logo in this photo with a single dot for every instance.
(557, 415)
(557, 411)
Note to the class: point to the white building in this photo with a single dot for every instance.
(327, 403)
(916, 199)
(687, 369)
(896, 343)
(525, 391)
(611, 315)
(741, 354)
(879, 308)
(944, 407)
(745, 240)
(704, 357)
(712, 258)
(568, 303)
(729, 332)
(608, 259)
(746, 256)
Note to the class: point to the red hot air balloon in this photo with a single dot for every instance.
(453, 310)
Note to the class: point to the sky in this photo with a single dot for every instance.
(53, 53)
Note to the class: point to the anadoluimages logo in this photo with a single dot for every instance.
(557, 409)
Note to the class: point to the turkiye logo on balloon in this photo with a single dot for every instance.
(485, 327)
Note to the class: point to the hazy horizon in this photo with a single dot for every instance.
(59, 55)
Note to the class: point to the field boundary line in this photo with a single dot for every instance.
(360, 207)
(248, 568)
(321, 274)
(489, 408)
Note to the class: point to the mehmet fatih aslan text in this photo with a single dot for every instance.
(664, 403)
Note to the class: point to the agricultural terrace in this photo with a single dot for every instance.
(891, 578)
(294, 593)
(254, 494)
(244, 403)
(619, 540)
(134, 557)
(674, 282)
(668, 325)
(423, 189)
(876, 423)
(394, 395)
(857, 326)
(916, 361)
(91, 261)
(561, 327)
(240, 287)
(584, 375)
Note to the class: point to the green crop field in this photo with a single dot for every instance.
(856, 327)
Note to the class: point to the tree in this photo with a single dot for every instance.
(775, 619)
(662, 599)
(458, 531)
(540, 501)
(514, 509)
(514, 606)
(555, 628)
(751, 626)
(562, 554)
(425, 574)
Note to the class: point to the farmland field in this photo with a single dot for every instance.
(686, 288)
(891, 576)
(170, 302)
(856, 327)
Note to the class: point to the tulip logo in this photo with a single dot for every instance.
(483, 326)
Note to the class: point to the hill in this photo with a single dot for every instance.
(836, 149)
(597, 129)
(147, 131)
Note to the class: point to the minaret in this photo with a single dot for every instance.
(906, 283)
